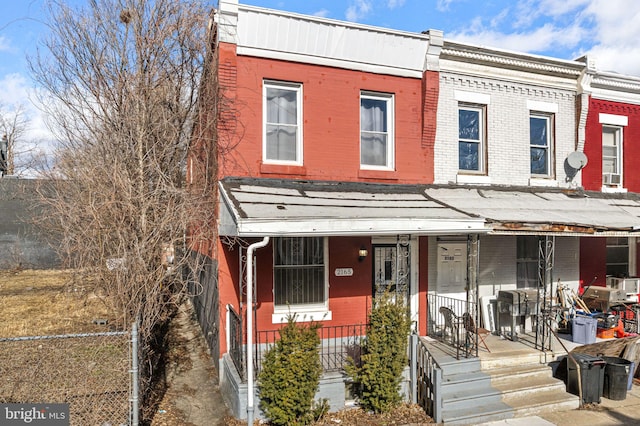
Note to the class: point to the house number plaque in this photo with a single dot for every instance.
(344, 272)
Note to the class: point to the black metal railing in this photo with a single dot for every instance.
(236, 344)
(337, 344)
(448, 320)
(428, 381)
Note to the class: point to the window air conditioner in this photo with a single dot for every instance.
(611, 179)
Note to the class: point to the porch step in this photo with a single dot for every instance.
(507, 385)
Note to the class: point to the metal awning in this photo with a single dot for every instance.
(255, 207)
(546, 211)
(252, 207)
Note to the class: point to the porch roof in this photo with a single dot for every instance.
(252, 207)
(539, 210)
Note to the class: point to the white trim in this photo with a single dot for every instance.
(305, 312)
(543, 182)
(473, 179)
(616, 120)
(472, 97)
(357, 226)
(612, 189)
(542, 106)
(389, 99)
(294, 87)
(302, 315)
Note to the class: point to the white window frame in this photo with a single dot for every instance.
(549, 118)
(304, 312)
(294, 87)
(618, 137)
(481, 141)
(389, 99)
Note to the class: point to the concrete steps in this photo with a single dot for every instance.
(501, 386)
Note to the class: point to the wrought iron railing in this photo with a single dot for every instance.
(447, 321)
(236, 345)
(337, 344)
(428, 380)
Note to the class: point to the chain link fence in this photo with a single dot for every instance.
(91, 372)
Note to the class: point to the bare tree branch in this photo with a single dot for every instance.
(121, 80)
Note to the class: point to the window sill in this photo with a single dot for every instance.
(540, 181)
(473, 179)
(377, 174)
(302, 315)
(282, 169)
(613, 189)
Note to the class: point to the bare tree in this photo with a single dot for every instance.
(17, 155)
(121, 78)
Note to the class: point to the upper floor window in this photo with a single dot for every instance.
(299, 272)
(471, 138)
(611, 156)
(540, 140)
(376, 131)
(282, 114)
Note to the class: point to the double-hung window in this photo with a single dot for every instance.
(376, 131)
(282, 112)
(471, 138)
(541, 143)
(527, 252)
(611, 156)
(299, 273)
(618, 256)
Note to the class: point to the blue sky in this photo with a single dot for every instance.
(609, 30)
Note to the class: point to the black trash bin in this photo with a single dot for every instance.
(616, 378)
(591, 377)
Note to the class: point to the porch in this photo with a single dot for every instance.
(513, 380)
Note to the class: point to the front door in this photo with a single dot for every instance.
(391, 269)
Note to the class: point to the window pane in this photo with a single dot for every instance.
(373, 115)
(282, 106)
(374, 149)
(282, 133)
(299, 271)
(538, 131)
(527, 275)
(469, 124)
(539, 161)
(376, 130)
(281, 142)
(468, 156)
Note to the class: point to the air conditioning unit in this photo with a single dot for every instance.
(611, 179)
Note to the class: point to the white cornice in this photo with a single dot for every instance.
(535, 63)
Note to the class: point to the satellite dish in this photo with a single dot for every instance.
(577, 160)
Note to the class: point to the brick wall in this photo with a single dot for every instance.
(507, 128)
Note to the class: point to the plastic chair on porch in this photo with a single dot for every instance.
(470, 327)
(451, 323)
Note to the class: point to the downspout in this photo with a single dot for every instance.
(250, 386)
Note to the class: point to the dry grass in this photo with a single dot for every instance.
(45, 302)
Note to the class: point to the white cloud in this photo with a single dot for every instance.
(358, 10)
(443, 5)
(5, 44)
(322, 13)
(615, 34)
(538, 40)
(15, 91)
(392, 4)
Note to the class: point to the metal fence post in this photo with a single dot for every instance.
(135, 410)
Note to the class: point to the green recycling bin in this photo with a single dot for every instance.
(616, 377)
